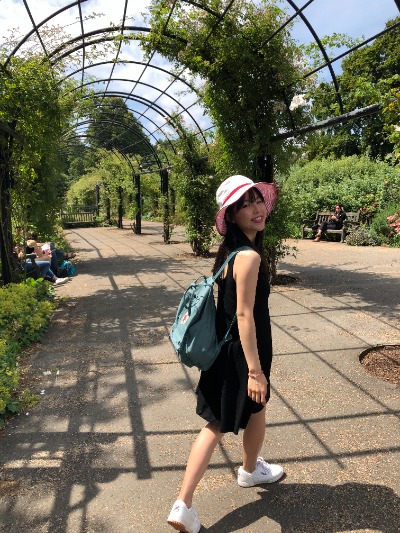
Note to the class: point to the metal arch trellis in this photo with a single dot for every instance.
(56, 55)
(136, 82)
(108, 34)
(125, 149)
(153, 102)
(139, 99)
(151, 134)
(123, 28)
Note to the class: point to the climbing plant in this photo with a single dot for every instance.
(194, 180)
(31, 104)
(249, 72)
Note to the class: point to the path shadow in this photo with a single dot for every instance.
(318, 508)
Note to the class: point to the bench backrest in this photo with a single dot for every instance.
(324, 215)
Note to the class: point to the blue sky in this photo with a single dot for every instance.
(353, 17)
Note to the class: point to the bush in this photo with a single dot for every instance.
(360, 236)
(355, 182)
(25, 310)
(381, 229)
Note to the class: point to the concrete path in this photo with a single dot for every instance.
(105, 449)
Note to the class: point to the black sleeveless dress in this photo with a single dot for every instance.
(222, 397)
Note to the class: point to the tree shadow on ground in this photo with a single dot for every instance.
(355, 288)
(318, 508)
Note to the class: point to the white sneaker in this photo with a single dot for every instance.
(183, 519)
(59, 281)
(263, 473)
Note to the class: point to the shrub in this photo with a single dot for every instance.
(25, 310)
(360, 236)
(355, 182)
(382, 228)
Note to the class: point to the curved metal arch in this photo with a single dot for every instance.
(126, 61)
(323, 51)
(154, 107)
(155, 67)
(37, 26)
(104, 38)
(356, 47)
(158, 109)
(132, 130)
(111, 95)
(153, 103)
(93, 149)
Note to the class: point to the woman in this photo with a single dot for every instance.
(44, 264)
(233, 393)
(335, 222)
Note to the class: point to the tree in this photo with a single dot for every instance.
(112, 125)
(370, 75)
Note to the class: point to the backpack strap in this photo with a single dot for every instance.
(230, 256)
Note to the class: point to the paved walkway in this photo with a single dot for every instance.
(105, 449)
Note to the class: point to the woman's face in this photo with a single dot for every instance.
(251, 215)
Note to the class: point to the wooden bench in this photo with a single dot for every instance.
(352, 220)
(78, 216)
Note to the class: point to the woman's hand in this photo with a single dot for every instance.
(257, 388)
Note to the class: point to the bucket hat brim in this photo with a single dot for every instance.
(269, 192)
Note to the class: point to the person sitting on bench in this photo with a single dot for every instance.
(335, 221)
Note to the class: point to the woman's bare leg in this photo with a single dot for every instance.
(198, 461)
(253, 439)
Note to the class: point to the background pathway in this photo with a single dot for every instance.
(105, 449)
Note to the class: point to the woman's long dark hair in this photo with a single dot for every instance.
(234, 237)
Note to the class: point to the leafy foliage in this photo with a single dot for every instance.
(196, 186)
(246, 75)
(354, 182)
(360, 236)
(25, 310)
(369, 76)
(385, 226)
(31, 103)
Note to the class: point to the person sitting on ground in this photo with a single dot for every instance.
(335, 221)
(51, 246)
(47, 252)
(44, 266)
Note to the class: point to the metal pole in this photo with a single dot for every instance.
(164, 194)
(6, 241)
(138, 201)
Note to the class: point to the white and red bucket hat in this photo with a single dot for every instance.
(234, 188)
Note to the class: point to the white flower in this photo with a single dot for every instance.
(297, 101)
(47, 373)
(396, 128)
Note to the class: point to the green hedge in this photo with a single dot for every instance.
(356, 182)
(25, 310)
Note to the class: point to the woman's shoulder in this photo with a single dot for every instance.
(247, 259)
(248, 253)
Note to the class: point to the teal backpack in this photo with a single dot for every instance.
(66, 269)
(193, 333)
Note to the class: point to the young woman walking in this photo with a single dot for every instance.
(233, 393)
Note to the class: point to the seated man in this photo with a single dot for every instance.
(335, 222)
